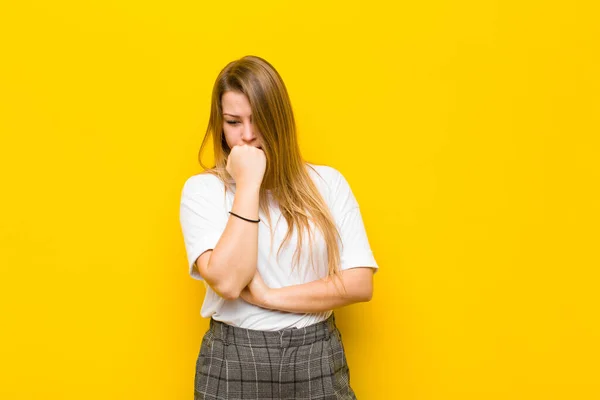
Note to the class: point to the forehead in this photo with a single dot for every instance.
(235, 103)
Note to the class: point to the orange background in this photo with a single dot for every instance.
(468, 131)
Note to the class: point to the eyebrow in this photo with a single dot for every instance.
(233, 115)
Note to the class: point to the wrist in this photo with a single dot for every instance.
(269, 299)
(246, 201)
(248, 187)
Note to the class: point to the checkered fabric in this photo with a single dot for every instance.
(305, 363)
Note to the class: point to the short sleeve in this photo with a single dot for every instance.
(355, 250)
(202, 215)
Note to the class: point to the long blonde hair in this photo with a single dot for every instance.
(286, 175)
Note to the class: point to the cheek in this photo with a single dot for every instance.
(229, 134)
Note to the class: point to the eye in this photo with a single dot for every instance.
(232, 122)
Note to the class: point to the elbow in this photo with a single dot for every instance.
(225, 287)
(361, 296)
(360, 284)
(229, 295)
(365, 296)
(363, 293)
(227, 291)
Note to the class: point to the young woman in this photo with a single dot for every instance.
(279, 243)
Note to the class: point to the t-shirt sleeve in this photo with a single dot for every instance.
(355, 249)
(203, 216)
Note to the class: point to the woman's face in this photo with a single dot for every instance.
(237, 120)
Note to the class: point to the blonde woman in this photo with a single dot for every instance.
(278, 242)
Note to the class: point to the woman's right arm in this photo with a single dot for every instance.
(230, 266)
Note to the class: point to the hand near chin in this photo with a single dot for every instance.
(257, 292)
(246, 165)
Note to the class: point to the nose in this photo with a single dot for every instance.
(248, 133)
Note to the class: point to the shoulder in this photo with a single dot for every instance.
(203, 183)
(329, 176)
(324, 173)
(332, 183)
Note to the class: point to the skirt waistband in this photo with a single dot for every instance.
(291, 337)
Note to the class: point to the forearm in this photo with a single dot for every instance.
(324, 294)
(232, 263)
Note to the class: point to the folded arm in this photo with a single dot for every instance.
(317, 296)
(231, 265)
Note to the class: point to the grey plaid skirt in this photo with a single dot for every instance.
(305, 363)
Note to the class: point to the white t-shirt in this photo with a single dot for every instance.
(204, 212)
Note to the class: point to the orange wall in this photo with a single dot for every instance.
(468, 131)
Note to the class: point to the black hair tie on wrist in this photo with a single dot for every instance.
(245, 219)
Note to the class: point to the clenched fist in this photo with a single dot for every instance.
(246, 165)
